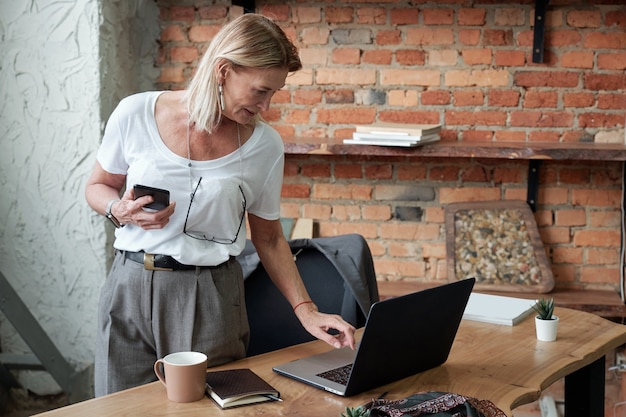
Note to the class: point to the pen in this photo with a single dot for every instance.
(273, 397)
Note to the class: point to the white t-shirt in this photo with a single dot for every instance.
(133, 147)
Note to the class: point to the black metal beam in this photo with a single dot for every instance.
(532, 189)
(540, 29)
(249, 6)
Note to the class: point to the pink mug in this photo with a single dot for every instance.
(183, 374)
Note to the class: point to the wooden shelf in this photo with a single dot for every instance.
(579, 151)
(604, 303)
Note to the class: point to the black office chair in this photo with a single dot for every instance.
(338, 273)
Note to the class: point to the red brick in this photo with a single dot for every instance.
(346, 56)
(278, 12)
(546, 79)
(304, 96)
(213, 12)
(371, 15)
(540, 99)
(503, 98)
(478, 118)
(493, 37)
(578, 99)
(455, 195)
(580, 176)
(584, 18)
(379, 172)
(596, 198)
(444, 173)
(472, 17)
(181, 13)
(407, 116)
(281, 96)
(616, 18)
(172, 33)
(303, 14)
(468, 98)
(439, 16)
(477, 56)
(316, 170)
(183, 54)
(388, 37)
(342, 192)
(613, 61)
(471, 135)
(410, 231)
(339, 96)
(171, 75)
(296, 191)
(346, 115)
(404, 16)
(565, 217)
(567, 255)
(434, 250)
(339, 14)
(599, 275)
(410, 57)
(543, 136)
(607, 40)
(436, 97)
(348, 171)
(554, 235)
(602, 256)
(343, 212)
(377, 57)
(553, 195)
(429, 36)
(475, 174)
(297, 116)
(377, 212)
(510, 136)
(469, 37)
(577, 59)
(600, 120)
(510, 58)
(560, 38)
(411, 172)
(503, 175)
(316, 211)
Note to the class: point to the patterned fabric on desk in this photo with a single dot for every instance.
(434, 404)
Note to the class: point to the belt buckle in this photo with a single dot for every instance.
(148, 263)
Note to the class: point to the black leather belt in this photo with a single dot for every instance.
(156, 262)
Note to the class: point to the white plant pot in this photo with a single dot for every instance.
(547, 329)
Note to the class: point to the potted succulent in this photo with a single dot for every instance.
(546, 323)
(356, 412)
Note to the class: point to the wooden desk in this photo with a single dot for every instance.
(506, 365)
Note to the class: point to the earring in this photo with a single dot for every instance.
(220, 90)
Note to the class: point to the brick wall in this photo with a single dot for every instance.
(468, 66)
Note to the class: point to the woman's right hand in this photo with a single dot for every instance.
(131, 211)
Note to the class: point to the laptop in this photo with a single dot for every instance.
(403, 336)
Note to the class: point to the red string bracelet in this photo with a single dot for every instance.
(299, 304)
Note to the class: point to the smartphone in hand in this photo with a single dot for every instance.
(161, 197)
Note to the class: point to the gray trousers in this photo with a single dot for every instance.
(144, 315)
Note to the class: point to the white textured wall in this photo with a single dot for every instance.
(63, 66)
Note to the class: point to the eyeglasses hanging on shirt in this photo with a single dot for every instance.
(215, 239)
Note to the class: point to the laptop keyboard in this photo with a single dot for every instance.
(339, 375)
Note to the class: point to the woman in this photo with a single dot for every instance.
(207, 146)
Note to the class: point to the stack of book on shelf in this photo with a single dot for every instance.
(394, 134)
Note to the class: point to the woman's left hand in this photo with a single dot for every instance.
(318, 324)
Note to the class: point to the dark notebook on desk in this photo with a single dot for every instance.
(402, 336)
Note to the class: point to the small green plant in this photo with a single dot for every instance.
(356, 412)
(544, 308)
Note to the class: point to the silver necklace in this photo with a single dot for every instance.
(191, 187)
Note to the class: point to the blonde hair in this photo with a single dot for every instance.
(251, 40)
